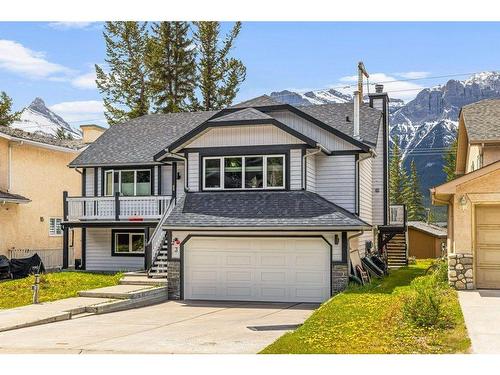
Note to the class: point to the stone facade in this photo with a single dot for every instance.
(460, 271)
(340, 277)
(174, 279)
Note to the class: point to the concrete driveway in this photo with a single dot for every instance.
(169, 327)
(481, 309)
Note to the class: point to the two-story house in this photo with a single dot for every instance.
(473, 199)
(260, 201)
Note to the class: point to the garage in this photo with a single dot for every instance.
(277, 269)
(488, 246)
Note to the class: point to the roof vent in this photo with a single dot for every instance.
(379, 89)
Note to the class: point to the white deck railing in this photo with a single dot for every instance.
(111, 208)
(397, 214)
(51, 258)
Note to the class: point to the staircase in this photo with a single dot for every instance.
(159, 266)
(396, 251)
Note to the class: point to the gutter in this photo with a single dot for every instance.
(257, 229)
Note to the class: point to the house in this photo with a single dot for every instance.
(33, 175)
(259, 201)
(473, 199)
(425, 240)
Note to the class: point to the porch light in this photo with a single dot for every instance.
(463, 202)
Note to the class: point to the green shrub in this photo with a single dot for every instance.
(423, 303)
(439, 270)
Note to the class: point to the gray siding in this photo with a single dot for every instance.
(378, 181)
(99, 182)
(89, 182)
(166, 180)
(325, 138)
(336, 179)
(98, 253)
(365, 190)
(180, 182)
(311, 173)
(295, 169)
(193, 171)
(155, 182)
(244, 136)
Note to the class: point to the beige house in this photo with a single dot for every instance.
(33, 176)
(473, 199)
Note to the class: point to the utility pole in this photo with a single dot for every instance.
(361, 72)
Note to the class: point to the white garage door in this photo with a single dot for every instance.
(257, 269)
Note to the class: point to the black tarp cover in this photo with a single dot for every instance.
(23, 267)
(4, 267)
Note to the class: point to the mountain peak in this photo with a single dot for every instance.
(37, 103)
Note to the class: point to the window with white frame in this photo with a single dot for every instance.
(128, 243)
(55, 228)
(244, 172)
(128, 182)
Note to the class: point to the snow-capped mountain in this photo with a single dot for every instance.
(426, 125)
(37, 118)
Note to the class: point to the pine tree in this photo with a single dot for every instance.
(219, 74)
(450, 160)
(125, 87)
(63, 134)
(398, 178)
(415, 206)
(6, 114)
(171, 60)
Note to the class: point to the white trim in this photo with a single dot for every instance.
(243, 165)
(120, 181)
(54, 233)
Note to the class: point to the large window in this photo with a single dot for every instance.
(127, 182)
(128, 243)
(244, 172)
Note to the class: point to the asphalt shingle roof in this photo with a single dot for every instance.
(242, 115)
(260, 101)
(74, 144)
(12, 197)
(259, 209)
(334, 115)
(482, 120)
(138, 140)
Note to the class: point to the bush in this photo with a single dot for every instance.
(439, 270)
(423, 303)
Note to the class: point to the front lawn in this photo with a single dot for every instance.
(369, 319)
(53, 286)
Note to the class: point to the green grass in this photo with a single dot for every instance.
(369, 320)
(53, 286)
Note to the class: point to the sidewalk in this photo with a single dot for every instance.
(47, 312)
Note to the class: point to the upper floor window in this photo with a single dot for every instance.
(127, 182)
(244, 172)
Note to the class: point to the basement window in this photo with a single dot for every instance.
(128, 243)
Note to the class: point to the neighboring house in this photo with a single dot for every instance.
(425, 240)
(33, 175)
(473, 199)
(260, 201)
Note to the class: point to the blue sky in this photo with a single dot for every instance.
(55, 60)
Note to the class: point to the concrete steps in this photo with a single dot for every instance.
(125, 291)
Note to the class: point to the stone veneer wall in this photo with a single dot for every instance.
(174, 279)
(460, 273)
(340, 277)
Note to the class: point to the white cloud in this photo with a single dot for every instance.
(80, 112)
(16, 58)
(396, 88)
(85, 81)
(413, 75)
(69, 25)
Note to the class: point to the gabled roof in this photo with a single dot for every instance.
(243, 115)
(260, 101)
(41, 140)
(260, 209)
(482, 120)
(431, 229)
(12, 198)
(137, 141)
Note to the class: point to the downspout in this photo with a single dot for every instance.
(306, 155)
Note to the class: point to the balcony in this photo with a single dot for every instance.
(116, 208)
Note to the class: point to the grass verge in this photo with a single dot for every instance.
(369, 319)
(53, 286)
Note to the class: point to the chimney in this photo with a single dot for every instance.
(91, 132)
(356, 115)
(379, 89)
